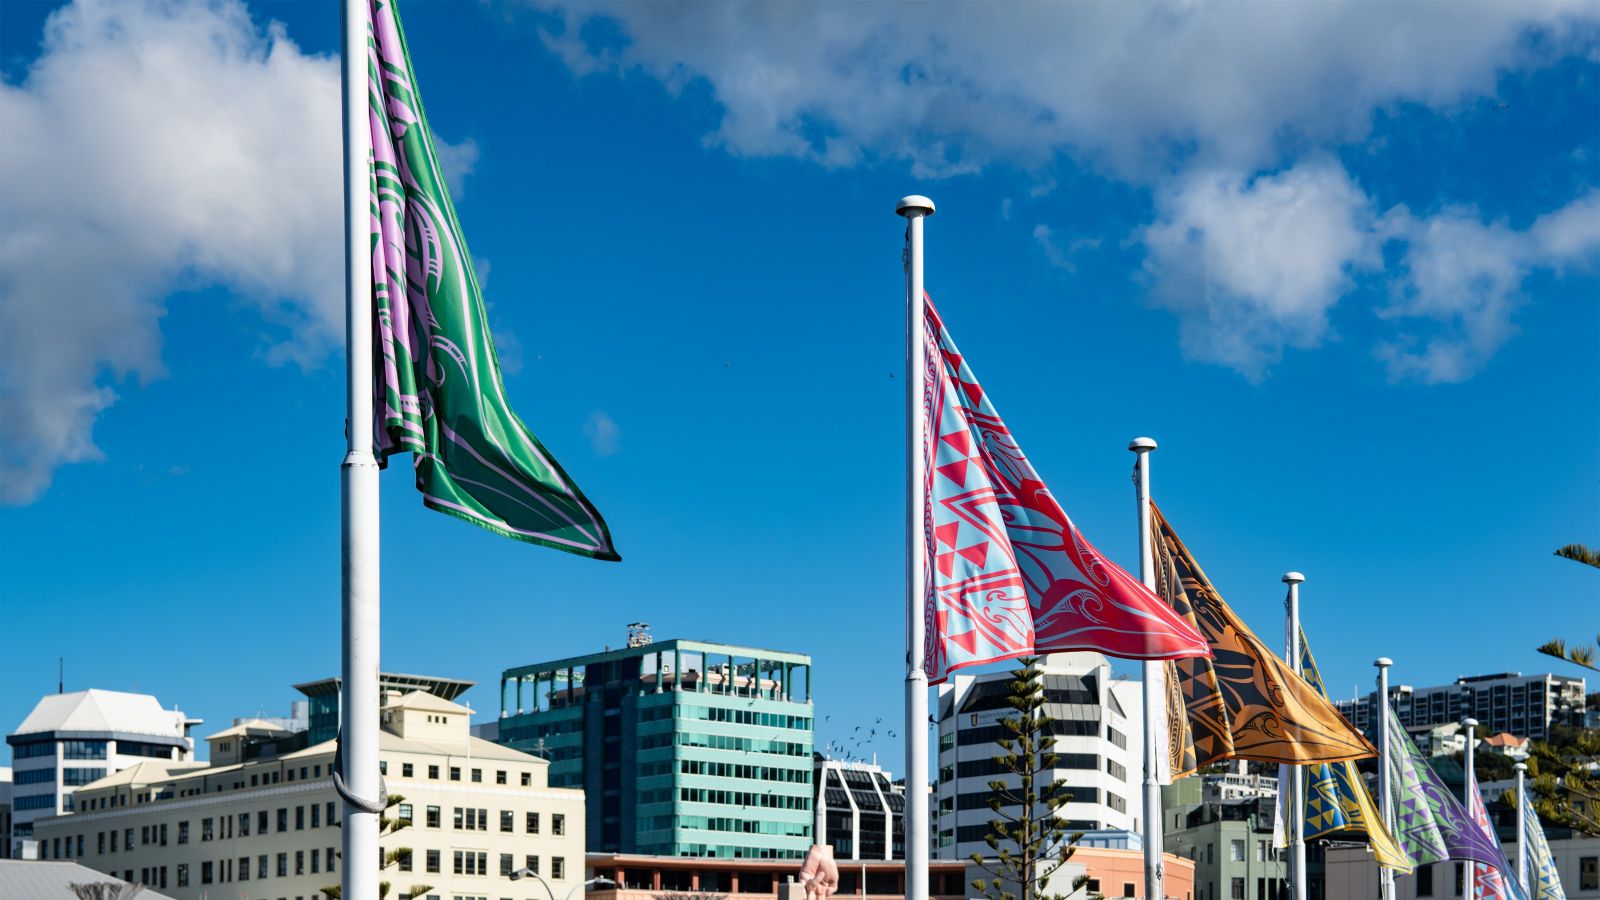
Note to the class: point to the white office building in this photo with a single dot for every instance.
(1098, 732)
(74, 738)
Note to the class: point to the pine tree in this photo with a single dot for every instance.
(1027, 846)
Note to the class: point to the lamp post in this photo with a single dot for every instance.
(520, 874)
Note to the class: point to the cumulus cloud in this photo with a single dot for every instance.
(1460, 283)
(605, 436)
(1254, 266)
(951, 87)
(154, 147)
(457, 161)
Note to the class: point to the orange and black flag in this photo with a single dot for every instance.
(1243, 702)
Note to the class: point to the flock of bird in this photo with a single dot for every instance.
(857, 746)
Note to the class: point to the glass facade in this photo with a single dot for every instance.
(682, 748)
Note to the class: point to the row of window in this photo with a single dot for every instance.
(471, 819)
(409, 770)
(216, 828)
(476, 862)
(210, 871)
(743, 717)
(740, 744)
(768, 800)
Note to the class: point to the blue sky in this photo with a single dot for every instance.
(1346, 276)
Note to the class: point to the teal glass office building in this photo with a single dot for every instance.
(682, 748)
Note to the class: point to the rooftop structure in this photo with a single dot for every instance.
(39, 880)
(323, 713)
(860, 813)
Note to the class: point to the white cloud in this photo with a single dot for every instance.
(1254, 266)
(1064, 258)
(1460, 283)
(953, 86)
(457, 161)
(153, 147)
(604, 435)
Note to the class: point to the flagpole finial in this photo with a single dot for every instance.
(1469, 722)
(1142, 444)
(914, 205)
(1293, 578)
(1521, 767)
(1383, 662)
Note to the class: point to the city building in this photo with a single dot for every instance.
(1352, 874)
(682, 748)
(1506, 744)
(5, 812)
(1449, 739)
(640, 877)
(1237, 783)
(859, 811)
(1525, 705)
(322, 698)
(1112, 864)
(298, 719)
(1097, 732)
(61, 880)
(71, 739)
(1230, 844)
(255, 821)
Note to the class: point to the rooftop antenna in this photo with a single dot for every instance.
(61, 675)
(639, 634)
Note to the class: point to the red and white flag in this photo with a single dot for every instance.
(1008, 574)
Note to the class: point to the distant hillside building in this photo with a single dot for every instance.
(261, 818)
(1097, 731)
(682, 748)
(72, 739)
(1525, 705)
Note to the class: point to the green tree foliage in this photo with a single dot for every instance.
(1029, 845)
(387, 826)
(1580, 553)
(1565, 782)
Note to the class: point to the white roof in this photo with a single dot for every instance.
(97, 710)
(46, 879)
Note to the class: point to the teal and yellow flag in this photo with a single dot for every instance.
(437, 382)
(1338, 805)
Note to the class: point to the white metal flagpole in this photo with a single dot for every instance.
(1522, 826)
(1380, 713)
(358, 710)
(915, 209)
(1152, 693)
(1296, 818)
(1469, 875)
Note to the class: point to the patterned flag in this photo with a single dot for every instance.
(1243, 702)
(1544, 882)
(1490, 882)
(1008, 573)
(1338, 804)
(1433, 825)
(438, 389)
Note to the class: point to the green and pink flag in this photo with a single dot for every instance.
(439, 394)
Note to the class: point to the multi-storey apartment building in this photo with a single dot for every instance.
(71, 739)
(683, 748)
(260, 820)
(859, 811)
(1524, 705)
(1097, 732)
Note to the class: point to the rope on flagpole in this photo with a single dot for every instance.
(349, 796)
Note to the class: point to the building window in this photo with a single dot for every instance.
(261, 866)
(402, 858)
(283, 865)
(316, 816)
(1236, 851)
(455, 773)
(183, 833)
(404, 812)
(433, 772)
(299, 862)
(244, 824)
(299, 818)
(527, 779)
(1127, 889)
(531, 863)
(508, 820)
(1589, 873)
(1238, 889)
(405, 770)
(383, 768)
(314, 859)
(433, 817)
(433, 861)
(328, 814)
(477, 775)
(456, 820)
(558, 825)
(183, 874)
(1460, 879)
(533, 823)
(505, 865)
(163, 830)
(244, 868)
(1424, 881)
(283, 819)
(206, 832)
(500, 776)
(327, 859)
(558, 867)
(261, 822)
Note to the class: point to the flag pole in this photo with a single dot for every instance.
(1522, 825)
(915, 209)
(1154, 699)
(1297, 797)
(1385, 802)
(358, 710)
(1469, 874)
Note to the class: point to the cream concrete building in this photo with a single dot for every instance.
(260, 820)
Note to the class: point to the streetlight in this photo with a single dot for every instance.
(529, 873)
